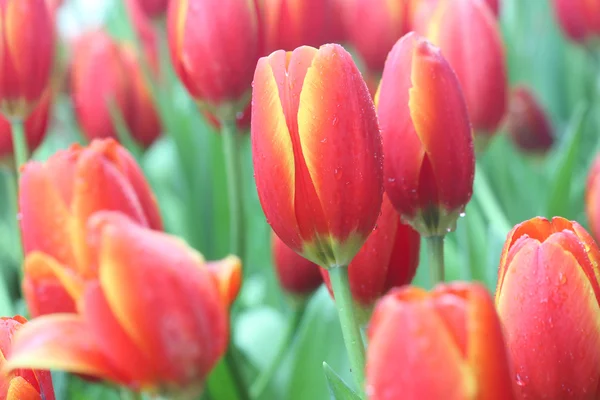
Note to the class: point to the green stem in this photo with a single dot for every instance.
(19, 144)
(231, 149)
(261, 383)
(435, 246)
(350, 327)
(126, 394)
(489, 204)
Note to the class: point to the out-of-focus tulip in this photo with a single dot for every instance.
(579, 19)
(429, 158)
(154, 8)
(445, 344)
(214, 47)
(57, 197)
(388, 259)
(26, 55)
(335, 31)
(317, 152)
(547, 299)
(297, 276)
(53, 6)
(24, 384)
(35, 127)
(592, 199)
(527, 123)
(153, 321)
(469, 37)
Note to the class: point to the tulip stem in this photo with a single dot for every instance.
(231, 149)
(262, 382)
(350, 327)
(19, 144)
(435, 246)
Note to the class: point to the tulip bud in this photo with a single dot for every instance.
(429, 162)
(297, 276)
(317, 152)
(154, 320)
(527, 123)
(388, 259)
(469, 37)
(35, 125)
(23, 384)
(445, 344)
(57, 197)
(579, 19)
(214, 47)
(592, 199)
(547, 299)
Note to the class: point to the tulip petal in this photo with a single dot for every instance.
(228, 275)
(20, 389)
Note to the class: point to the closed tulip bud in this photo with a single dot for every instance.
(23, 384)
(317, 152)
(469, 37)
(153, 321)
(429, 162)
(547, 299)
(56, 198)
(26, 55)
(592, 199)
(388, 259)
(579, 19)
(36, 125)
(297, 276)
(445, 344)
(527, 123)
(214, 47)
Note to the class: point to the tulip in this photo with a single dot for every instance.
(445, 344)
(388, 259)
(297, 276)
(26, 55)
(35, 126)
(579, 19)
(24, 384)
(547, 299)
(57, 197)
(429, 159)
(214, 47)
(469, 37)
(153, 8)
(317, 152)
(153, 321)
(592, 199)
(527, 123)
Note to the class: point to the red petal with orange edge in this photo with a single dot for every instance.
(20, 389)
(228, 275)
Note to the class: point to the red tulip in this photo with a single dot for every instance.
(214, 46)
(154, 8)
(445, 344)
(56, 198)
(388, 259)
(317, 152)
(26, 55)
(469, 37)
(153, 321)
(297, 276)
(579, 19)
(527, 123)
(548, 300)
(24, 384)
(429, 159)
(592, 199)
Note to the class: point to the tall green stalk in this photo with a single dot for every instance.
(231, 149)
(435, 246)
(20, 150)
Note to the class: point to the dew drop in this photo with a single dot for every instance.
(337, 173)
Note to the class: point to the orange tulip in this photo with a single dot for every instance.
(548, 300)
(57, 197)
(317, 152)
(214, 46)
(35, 125)
(446, 344)
(469, 37)
(297, 276)
(154, 320)
(388, 259)
(579, 19)
(429, 159)
(24, 384)
(527, 123)
(26, 55)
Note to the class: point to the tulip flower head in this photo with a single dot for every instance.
(154, 8)
(579, 19)
(427, 142)
(154, 320)
(23, 384)
(26, 55)
(317, 152)
(445, 344)
(548, 300)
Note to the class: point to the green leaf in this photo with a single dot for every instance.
(337, 387)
